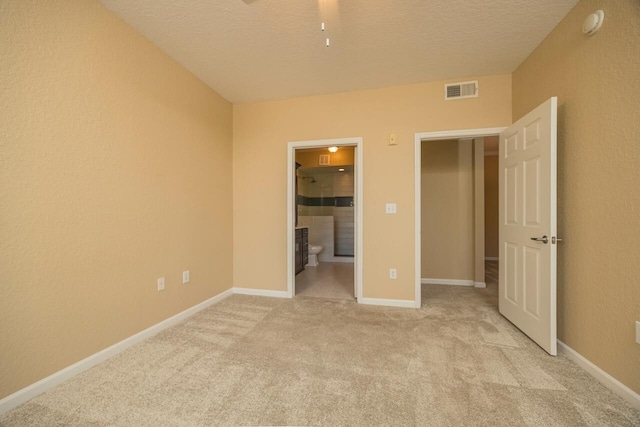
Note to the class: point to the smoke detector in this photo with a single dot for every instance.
(593, 22)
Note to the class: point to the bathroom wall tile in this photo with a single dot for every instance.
(326, 206)
(323, 235)
(344, 230)
(344, 201)
(343, 184)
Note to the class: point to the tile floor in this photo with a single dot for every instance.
(332, 280)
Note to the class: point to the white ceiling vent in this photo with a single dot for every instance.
(461, 90)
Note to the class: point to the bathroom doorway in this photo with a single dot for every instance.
(324, 219)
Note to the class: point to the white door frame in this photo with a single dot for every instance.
(291, 206)
(430, 136)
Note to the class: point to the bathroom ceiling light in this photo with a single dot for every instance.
(341, 170)
(333, 149)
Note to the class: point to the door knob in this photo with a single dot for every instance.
(543, 239)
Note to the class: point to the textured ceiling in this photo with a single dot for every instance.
(274, 49)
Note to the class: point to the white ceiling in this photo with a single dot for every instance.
(274, 49)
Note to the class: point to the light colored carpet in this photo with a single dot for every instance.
(328, 280)
(308, 361)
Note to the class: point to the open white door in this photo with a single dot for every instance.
(528, 239)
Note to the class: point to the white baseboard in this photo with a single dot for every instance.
(479, 285)
(67, 373)
(261, 292)
(388, 302)
(491, 258)
(454, 282)
(604, 378)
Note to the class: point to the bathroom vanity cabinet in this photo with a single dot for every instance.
(302, 248)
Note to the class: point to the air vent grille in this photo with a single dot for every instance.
(461, 90)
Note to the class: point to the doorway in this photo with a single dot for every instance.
(527, 220)
(320, 207)
(477, 219)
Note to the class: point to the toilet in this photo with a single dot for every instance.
(314, 250)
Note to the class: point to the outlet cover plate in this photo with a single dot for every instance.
(185, 276)
(161, 284)
(637, 332)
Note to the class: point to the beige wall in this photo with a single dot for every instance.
(261, 133)
(115, 170)
(309, 157)
(597, 83)
(447, 210)
(491, 248)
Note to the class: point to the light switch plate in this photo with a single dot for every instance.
(161, 284)
(637, 332)
(185, 276)
(391, 208)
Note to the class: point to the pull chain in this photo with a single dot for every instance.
(324, 11)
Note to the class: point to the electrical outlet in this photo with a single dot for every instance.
(161, 284)
(393, 273)
(185, 276)
(637, 332)
(391, 208)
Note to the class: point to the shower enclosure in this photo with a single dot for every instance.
(328, 192)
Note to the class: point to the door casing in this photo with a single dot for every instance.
(291, 170)
(431, 136)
